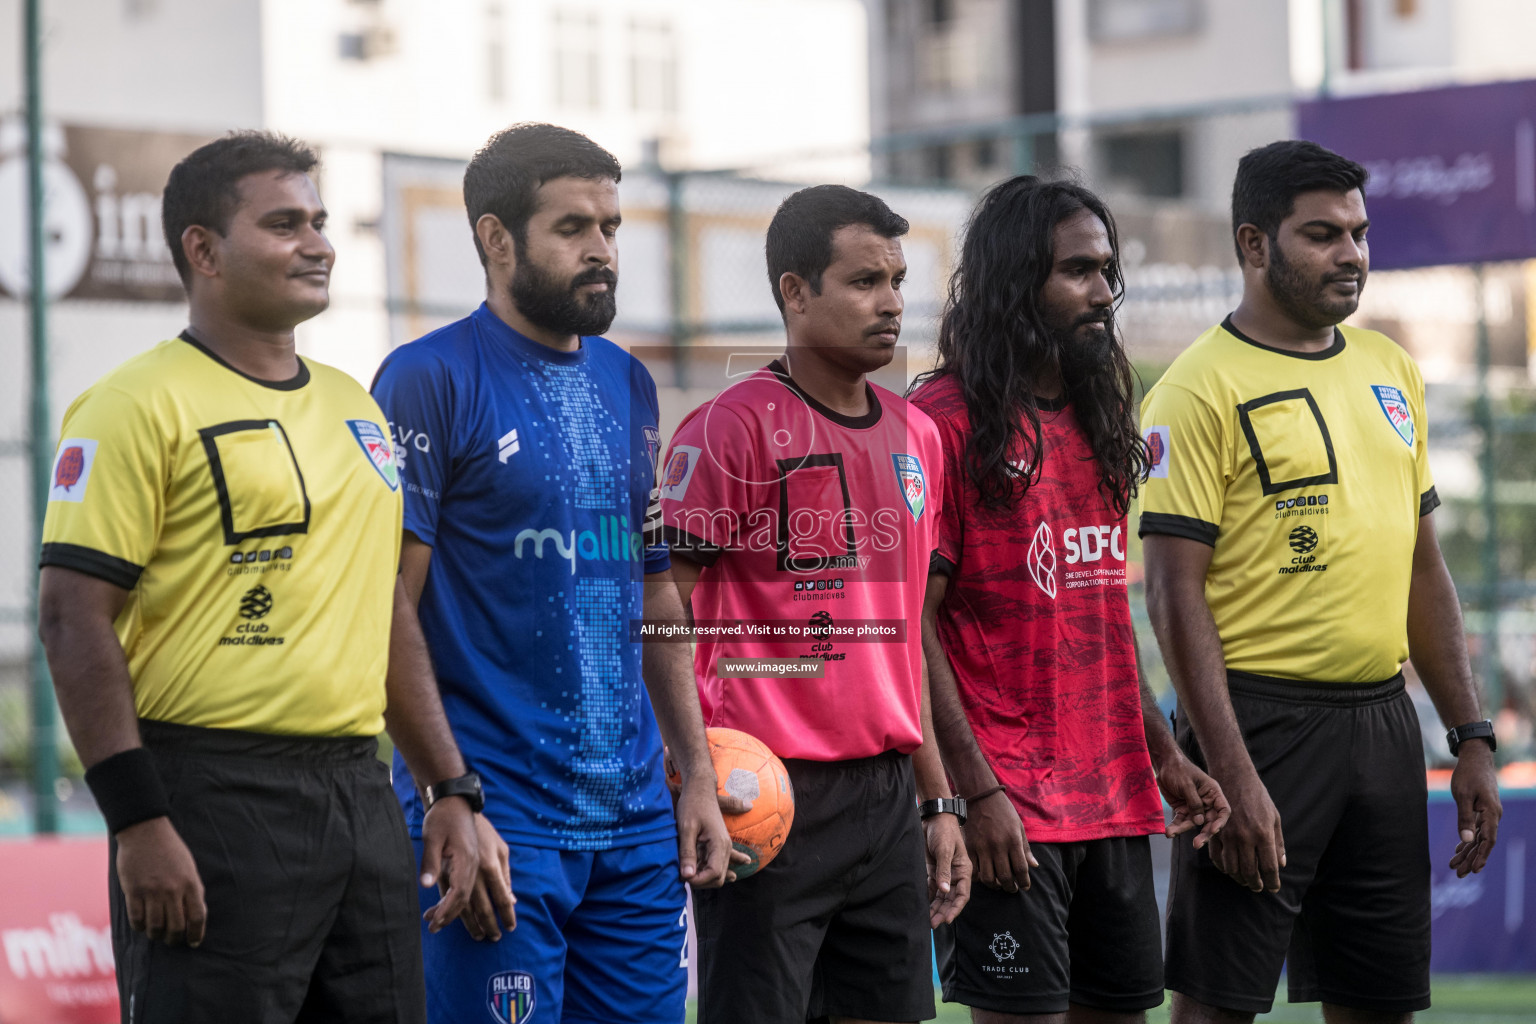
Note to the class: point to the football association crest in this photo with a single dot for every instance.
(1396, 407)
(379, 448)
(1158, 448)
(914, 485)
(510, 994)
(680, 467)
(72, 469)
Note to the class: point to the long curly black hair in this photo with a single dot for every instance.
(995, 341)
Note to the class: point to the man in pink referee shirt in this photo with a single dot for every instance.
(802, 502)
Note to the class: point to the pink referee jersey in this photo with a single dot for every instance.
(815, 530)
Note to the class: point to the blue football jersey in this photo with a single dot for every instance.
(530, 473)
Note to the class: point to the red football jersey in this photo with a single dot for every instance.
(1037, 627)
(816, 530)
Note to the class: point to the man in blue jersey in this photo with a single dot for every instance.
(531, 545)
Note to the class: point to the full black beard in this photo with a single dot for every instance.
(1301, 299)
(556, 306)
(1085, 355)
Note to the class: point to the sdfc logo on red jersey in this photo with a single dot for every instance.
(914, 485)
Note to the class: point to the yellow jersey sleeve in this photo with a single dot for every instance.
(106, 495)
(1188, 459)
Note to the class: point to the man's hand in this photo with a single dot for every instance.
(450, 857)
(160, 883)
(994, 835)
(949, 869)
(704, 852)
(1250, 848)
(1475, 785)
(492, 903)
(728, 805)
(1196, 799)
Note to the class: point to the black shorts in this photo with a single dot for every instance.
(1344, 765)
(310, 885)
(837, 924)
(1086, 931)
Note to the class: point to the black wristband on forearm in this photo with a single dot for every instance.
(128, 789)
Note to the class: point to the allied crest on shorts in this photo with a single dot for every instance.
(511, 996)
(1398, 413)
(379, 448)
(914, 485)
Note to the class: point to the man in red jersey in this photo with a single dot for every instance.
(1039, 706)
(800, 506)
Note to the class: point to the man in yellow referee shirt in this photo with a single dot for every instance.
(1292, 567)
(218, 587)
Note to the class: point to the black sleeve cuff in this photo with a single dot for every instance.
(1428, 502)
(680, 542)
(1177, 526)
(938, 565)
(116, 571)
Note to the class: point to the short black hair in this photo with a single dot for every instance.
(800, 235)
(204, 188)
(1271, 177)
(504, 177)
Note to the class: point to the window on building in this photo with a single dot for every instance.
(578, 60)
(1144, 163)
(652, 66)
(1119, 21)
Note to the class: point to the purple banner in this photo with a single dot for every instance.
(1486, 921)
(1453, 171)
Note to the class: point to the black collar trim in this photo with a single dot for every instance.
(1056, 404)
(1327, 353)
(293, 383)
(864, 422)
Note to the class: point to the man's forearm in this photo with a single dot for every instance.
(1160, 741)
(961, 754)
(1191, 648)
(86, 661)
(668, 672)
(927, 766)
(95, 692)
(1437, 644)
(414, 714)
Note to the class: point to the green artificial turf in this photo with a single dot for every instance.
(1458, 999)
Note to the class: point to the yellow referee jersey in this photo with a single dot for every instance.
(256, 526)
(1307, 473)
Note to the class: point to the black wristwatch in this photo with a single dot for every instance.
(1471, 731)
(466, 786)
(943, 805)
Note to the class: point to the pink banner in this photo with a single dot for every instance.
(55, 935)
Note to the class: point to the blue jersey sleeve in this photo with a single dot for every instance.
(415, 392)
(647, 410)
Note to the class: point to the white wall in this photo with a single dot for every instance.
(180, 65)
(1243, 50)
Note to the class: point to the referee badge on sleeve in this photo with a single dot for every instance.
(1158, 452)
(379, 449)
(72, 469)
(1398, 412)
(914, 485)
